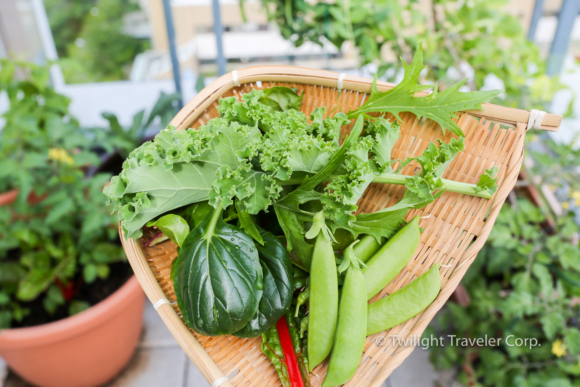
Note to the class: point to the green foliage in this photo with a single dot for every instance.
(520, 285)
(66, 19)
(90, 38)
(125, 140)
(57, 231)
(457, 34)
(438, 106)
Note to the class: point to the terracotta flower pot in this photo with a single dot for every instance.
(84, 350)
(8, 197)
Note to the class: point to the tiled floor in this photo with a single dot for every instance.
(160, 362)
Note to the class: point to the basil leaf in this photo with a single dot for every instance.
(217, 277)
(173, 226)
(278, 286)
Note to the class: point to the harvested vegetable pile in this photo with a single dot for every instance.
(261, 203)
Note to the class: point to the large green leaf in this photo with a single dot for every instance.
(278, 286)
(180, 168)
(217, 277)
(437, 106)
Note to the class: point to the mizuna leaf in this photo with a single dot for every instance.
(217, 277)
(437, 106)
(278, 286)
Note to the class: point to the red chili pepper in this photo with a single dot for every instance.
(294, 373)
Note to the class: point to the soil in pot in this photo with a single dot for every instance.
(92, 293)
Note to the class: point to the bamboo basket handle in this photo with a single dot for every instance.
(184, 119)
(192, 348)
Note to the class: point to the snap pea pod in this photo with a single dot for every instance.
(323, 304)
(350, 336)
(367, 247)
(405, 303)
(384, 266)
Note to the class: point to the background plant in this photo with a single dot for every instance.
(91, 40)
(58, 233)
(525, 283)
(463, 39)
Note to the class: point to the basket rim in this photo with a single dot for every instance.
(293, 74)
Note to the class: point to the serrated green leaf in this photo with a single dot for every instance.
(437, 106)
(552, 323)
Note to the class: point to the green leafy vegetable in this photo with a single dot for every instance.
(281, 98)
(278, 286)
(217, 277)
(487, 181)
(180, 168)
(173, 226)
(292, 217)
(437, 106)
(246, 223)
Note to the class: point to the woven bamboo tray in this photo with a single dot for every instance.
(456, 226)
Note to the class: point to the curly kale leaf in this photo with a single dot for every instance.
(437, 106)
(385, 134)
(180, 168)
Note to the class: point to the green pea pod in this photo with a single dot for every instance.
(366, 248)
(323, 305)
(391, 258)
(405, 303)
(350, 336)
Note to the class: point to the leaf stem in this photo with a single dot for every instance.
(393, 178)
(217, 214)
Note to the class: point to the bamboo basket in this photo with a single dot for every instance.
(456, 226)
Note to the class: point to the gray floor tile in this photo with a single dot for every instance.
(415, 371)
(194, 377)
(3, 372)
(154, 368)
(155, 333)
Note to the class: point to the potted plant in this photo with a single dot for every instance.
(524, 285)
(70, 309)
